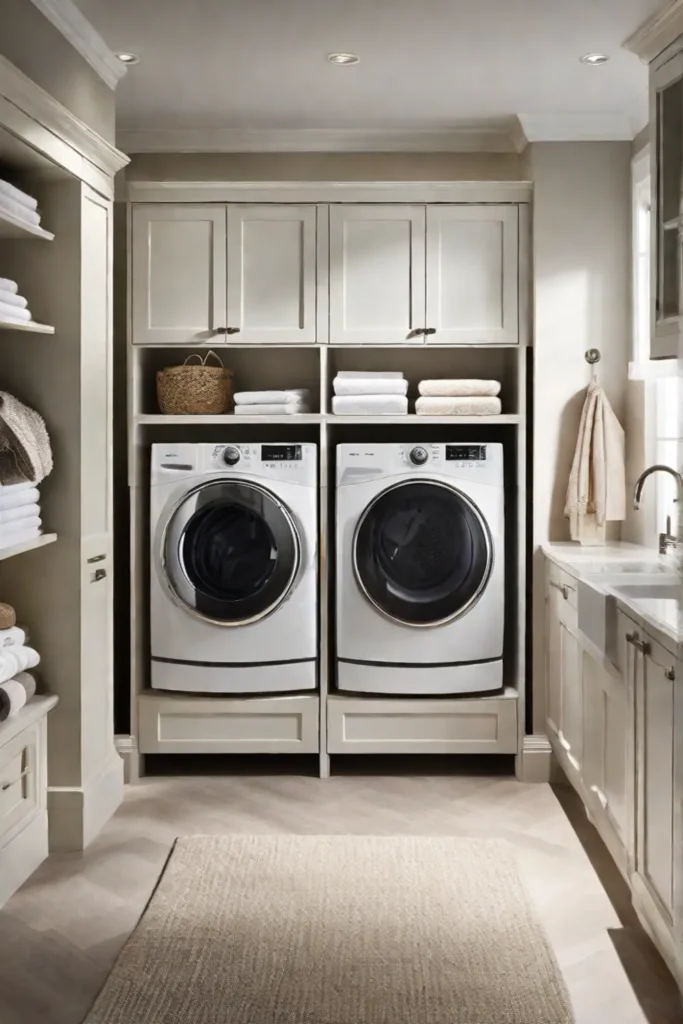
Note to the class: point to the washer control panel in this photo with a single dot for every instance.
(231, 455)
(418, 456)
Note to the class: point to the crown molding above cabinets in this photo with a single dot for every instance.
(65, 137)
(658, 32)
(593, 126)
(75, 27)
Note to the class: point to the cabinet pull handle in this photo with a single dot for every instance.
(420, 330)
(220, 330)
(97, 575)
(640, 645)
(600, 795)
(96, 558)
(430, 330)
(564, 590)
(4, 786)
(232, 330)
(670, 673)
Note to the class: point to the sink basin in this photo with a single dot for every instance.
(650, 591)
(597, 600)
(604, 568)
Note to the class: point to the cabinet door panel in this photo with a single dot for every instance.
(605, 751)
(272, 273)
(178, 273)
(554, 661)
(472, 274)
(377, 274)
(571, 716)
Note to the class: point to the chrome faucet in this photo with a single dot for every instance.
(666, 539)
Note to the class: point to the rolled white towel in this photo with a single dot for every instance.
(370, 374)
(22, 496)
(7, 285)
(28, 681)
(11, 299)
(14, 314)
(13, 697)
(293, 395)
(284, 409)
(370, 386)
(12, 637)
(10, 540)
(18, 210)
(370, 405)
(17, 196)
(10, 515)
(15, 526)
(458, 388)
(474, 406)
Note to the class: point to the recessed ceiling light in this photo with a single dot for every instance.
(594, 59)
(343, 58)
(128, 58)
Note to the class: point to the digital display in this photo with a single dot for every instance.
(280, 452)
(465, 453)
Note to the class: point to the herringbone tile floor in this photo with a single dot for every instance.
(61, 933)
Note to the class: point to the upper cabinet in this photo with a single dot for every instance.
(667, 185)
(472, 275)
(178, 273)
(377, 274)
(272, 273)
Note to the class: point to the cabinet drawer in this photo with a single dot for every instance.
(565, 584)
(18, 783)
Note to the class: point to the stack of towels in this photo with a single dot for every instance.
(361, 393)
(20, 519)
(17, 685)
(18, 204)
(458, 398)
(13, 307)
(272, 403)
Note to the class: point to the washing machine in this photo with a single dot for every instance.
(233, 587)
(420, 581)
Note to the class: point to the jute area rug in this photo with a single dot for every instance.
(336, 930)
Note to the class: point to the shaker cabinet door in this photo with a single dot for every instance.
(272, 274)
(377, 274)
(472, 275)
(178, 273)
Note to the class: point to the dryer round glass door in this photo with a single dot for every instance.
(422, 553)
(231, 552)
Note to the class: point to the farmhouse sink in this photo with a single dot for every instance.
(649, 591)
(597, 600)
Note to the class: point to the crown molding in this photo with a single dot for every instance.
(44, 109)
(518, 136)
(84, 38)
(658, 32)
(314, 140)
(580, 127)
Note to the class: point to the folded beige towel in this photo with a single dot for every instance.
(476, 405)
(458, 388)
(597, 482)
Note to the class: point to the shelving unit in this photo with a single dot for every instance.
(30, 545)
(14, 227)
(33, 328)
(158, 338)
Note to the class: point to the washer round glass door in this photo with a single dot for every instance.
(422, 553)
(231, 552)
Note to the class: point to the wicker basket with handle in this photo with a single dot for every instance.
(193, 390)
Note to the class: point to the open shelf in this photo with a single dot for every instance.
(14, 227)
(156, 419)
(34, 328)
(28, 545)
(413, 418)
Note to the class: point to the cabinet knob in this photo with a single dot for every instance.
(97, 575)
(670, 673)
(640, 645)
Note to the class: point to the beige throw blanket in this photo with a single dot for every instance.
(597, 482)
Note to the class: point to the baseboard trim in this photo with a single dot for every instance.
(77, 814)
(534, 764)
(22, 855)
(127, 748)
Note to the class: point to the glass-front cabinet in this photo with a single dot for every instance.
(667, 224)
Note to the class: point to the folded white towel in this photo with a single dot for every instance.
(13, 697)
(272, 397)
(370, 386)
(370, 405)
(14, 314)
(476, 405)
(374, 374)
(15, 526)
(11, 515)
(6, 285)
(12, 637)
(15, 488)
(24, 495)
(12, 299)
(458, 388)
(17, 196)
(20, 537)
(283, 409)
(19, 211)
(17, 659)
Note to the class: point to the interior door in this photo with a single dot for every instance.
(272, 273)
(377, 274)
(472, 274)
(178, 273)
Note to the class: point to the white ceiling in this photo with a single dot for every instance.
(439, 66)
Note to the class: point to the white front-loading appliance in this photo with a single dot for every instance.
(420, 582)
(233, 587)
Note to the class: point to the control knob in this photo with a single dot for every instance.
(419, 456)
(231, 456)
